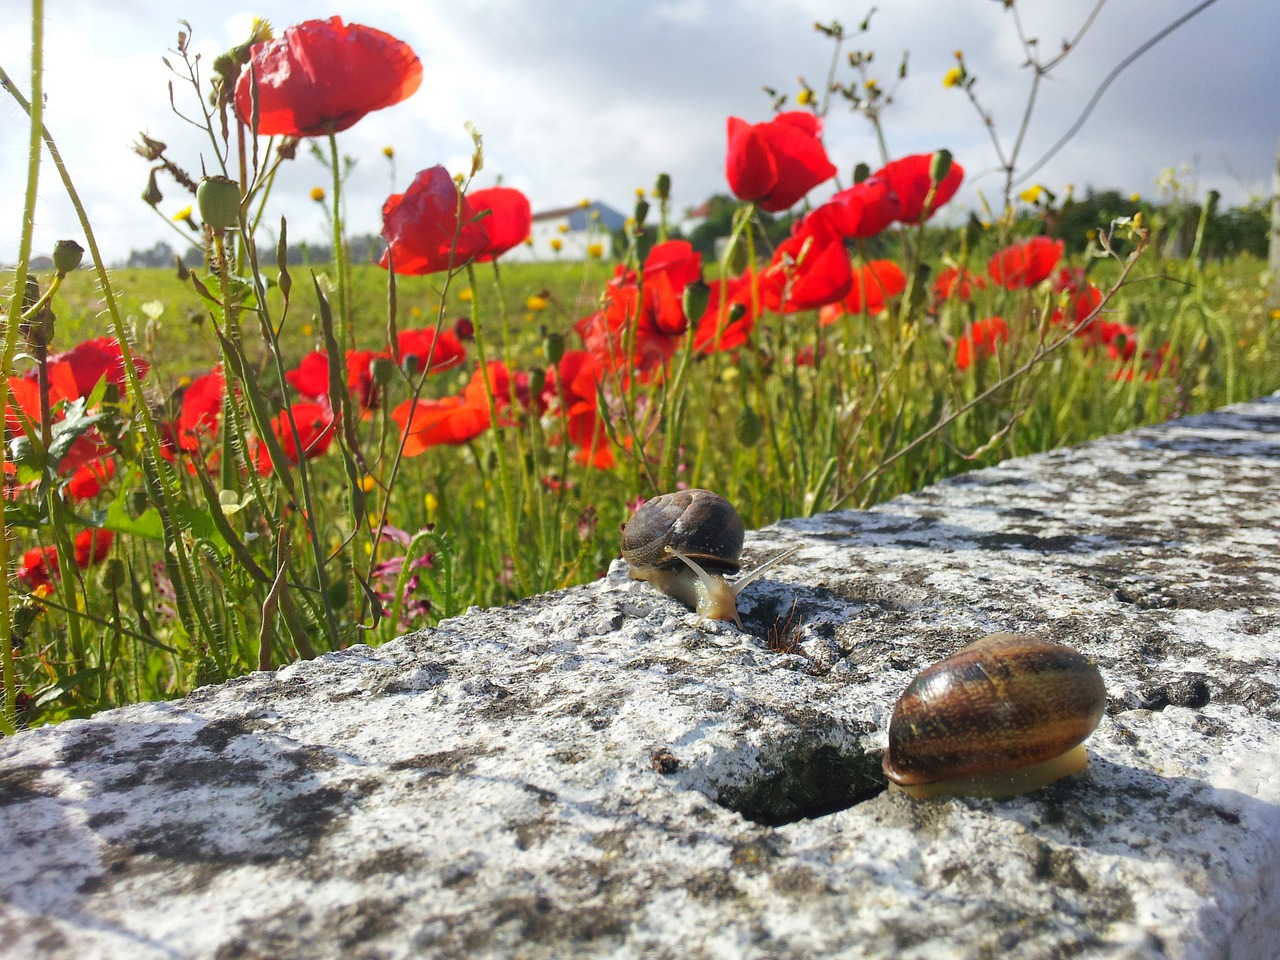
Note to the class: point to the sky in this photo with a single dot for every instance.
(593, 98)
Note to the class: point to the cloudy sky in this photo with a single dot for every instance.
(593, 98)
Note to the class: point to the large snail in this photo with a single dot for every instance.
(684, 543)
(1005, 715)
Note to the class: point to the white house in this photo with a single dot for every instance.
(569, 233)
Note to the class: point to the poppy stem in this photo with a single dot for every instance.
(339, 249)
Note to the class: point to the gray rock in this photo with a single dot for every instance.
(596, 772)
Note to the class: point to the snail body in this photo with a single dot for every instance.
(684, 543)
(1005, 715)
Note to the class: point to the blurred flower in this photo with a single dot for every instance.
(575, 380)
(595, 250)
(957, 282)
(556, 245)
(953, 77)
(980, 339)
(1024, 264)
(536, 303)
(872, 285)
(200, 411)
(1032, 193)
(807, 272)
(776, 163)
(317, 194)
(910, 181)
(453, 420)
(508, 221)
(862, 210)
(1083, 296)
(430, 227)
(185, 216)
(389, 152)
(39, 565)
(322, 76)
(314, 423)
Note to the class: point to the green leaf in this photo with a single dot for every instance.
(64, 685)
(148, 524)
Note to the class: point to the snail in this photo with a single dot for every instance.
(684, 543)
(1005, 715)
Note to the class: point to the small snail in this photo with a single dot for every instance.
(1005, 715)
(684, 543)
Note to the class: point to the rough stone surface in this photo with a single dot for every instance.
(595, 772)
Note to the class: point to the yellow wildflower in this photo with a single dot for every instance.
(595, 251)
(432, 504)
(1032, 194)
(953, 77)
(1135, 197)
(388, 152)
(805, 97)
(556, 245)
(466, 295)
(185, 216)
(367, 483)
(584, 203)
(563, 228)
(317, 194)
(536, 303)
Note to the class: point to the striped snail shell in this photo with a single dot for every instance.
(1005, 715)
(684, 543)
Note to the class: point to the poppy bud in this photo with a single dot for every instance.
(67, 255)
(940, 166)
(113, 574)
(382, 370)
(553, 347)
(662, 187)
(696, 297)
(152, 195)
(738, 257)
(642, 211)
(219, 202)
(463, 328)
(538, 381)
(861, 172)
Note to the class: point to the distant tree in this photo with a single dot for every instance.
(161, 255)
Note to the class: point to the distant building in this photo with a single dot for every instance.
(576, 231)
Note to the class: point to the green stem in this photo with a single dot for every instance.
(339, 252)
(9, 715)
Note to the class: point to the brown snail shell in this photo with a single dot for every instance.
(704, 526)
(684, 543)
(1005, 715)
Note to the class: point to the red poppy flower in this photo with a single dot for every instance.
(980, 340)
(77, 371)
(909, 179)
(807, 272)
(1021, 265)
(509, 221)
(322, 76)
(40, 564)
(863, 210)
(87, 481)
(727, 322)
(957, 282)
(314, 422)
(431, 226)
(1085, 298)
(577, 377)
(647, 312)
(872, 285)
(201, 409)
(454, 420)
(774, 164)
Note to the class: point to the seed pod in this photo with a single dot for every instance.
(1005, 715)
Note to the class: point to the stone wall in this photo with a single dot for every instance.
(596, 772)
